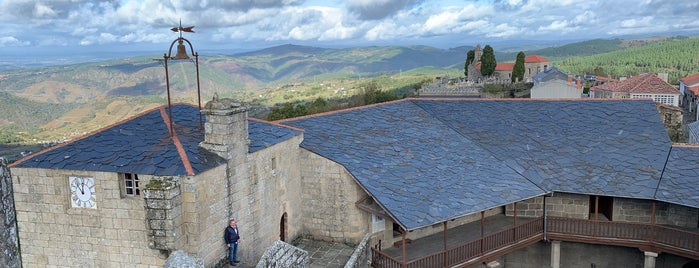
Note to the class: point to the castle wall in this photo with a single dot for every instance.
(52, 233)
(329, 195)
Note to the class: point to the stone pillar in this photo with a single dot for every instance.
(9, 247)
(555, 254)
(163, 211)
(649, 261)
(492, 264)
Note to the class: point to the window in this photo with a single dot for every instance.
(130, 185)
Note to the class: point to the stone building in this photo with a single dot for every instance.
(533, 64)
(402, 172)
(643, 86)
(554, 83)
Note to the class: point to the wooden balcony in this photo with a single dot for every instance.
(491, 245)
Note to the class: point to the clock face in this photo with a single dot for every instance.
(82, 192)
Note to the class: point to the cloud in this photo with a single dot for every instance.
(354, 22)
(377, 9)
(10, 41)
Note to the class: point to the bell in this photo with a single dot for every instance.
(181, 52)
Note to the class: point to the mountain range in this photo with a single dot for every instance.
(68, 100)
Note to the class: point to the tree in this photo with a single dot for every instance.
(470, 56)
(518, 69)
(488, 62)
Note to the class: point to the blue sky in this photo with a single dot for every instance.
(28, 25)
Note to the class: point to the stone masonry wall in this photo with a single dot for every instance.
(204, 215)
(330, 193)
(637, 210)
(9, 251)
(272, 190)
(52, 233)
(567, 205)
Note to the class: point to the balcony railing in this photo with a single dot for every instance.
(656, 237)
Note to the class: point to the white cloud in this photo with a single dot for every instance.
(12, 41)
(93, 22)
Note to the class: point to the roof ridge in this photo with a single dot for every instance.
(176, 141)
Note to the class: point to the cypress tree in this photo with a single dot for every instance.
(518, 69)
(488, 62)
(470, 56)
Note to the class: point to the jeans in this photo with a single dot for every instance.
(232, 252)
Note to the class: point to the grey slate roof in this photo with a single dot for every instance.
(142, 145)
(550, 74)
(680, 183)
(432, 160)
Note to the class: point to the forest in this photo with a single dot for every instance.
(677, 57)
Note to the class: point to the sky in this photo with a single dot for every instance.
(30, 26)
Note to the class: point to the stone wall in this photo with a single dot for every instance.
(270, 193)
(9, 247)
(567, 205)
(329, 196)
(637, 210)
(55, 234)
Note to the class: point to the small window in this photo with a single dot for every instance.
(130, 184)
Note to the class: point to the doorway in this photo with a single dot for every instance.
(605, 207)
(282, 228)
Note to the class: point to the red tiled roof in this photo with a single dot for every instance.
(505, 66)
(534, 59)
(691, 80)
(694, 89)
(500, 66)
(644, 83)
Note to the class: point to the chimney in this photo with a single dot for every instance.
(226, 128)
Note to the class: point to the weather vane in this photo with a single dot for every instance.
(181, 29)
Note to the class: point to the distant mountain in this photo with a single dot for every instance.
(79, 97)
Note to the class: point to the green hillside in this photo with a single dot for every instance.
(677, 57)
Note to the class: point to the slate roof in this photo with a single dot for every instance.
(552, 73)
(680, 183)
(430, 160)
(646, 83)
(416, 167)
(142, 145)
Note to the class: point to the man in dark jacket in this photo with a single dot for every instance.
(232, 236)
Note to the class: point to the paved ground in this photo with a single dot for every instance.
(325, 254)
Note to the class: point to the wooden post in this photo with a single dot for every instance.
(596, 213)
(652, 223)
(514, 228)
(445, 244)
(405, 262)
(482, 230)
(596, 206)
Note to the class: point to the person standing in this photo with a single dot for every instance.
(232, 236)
